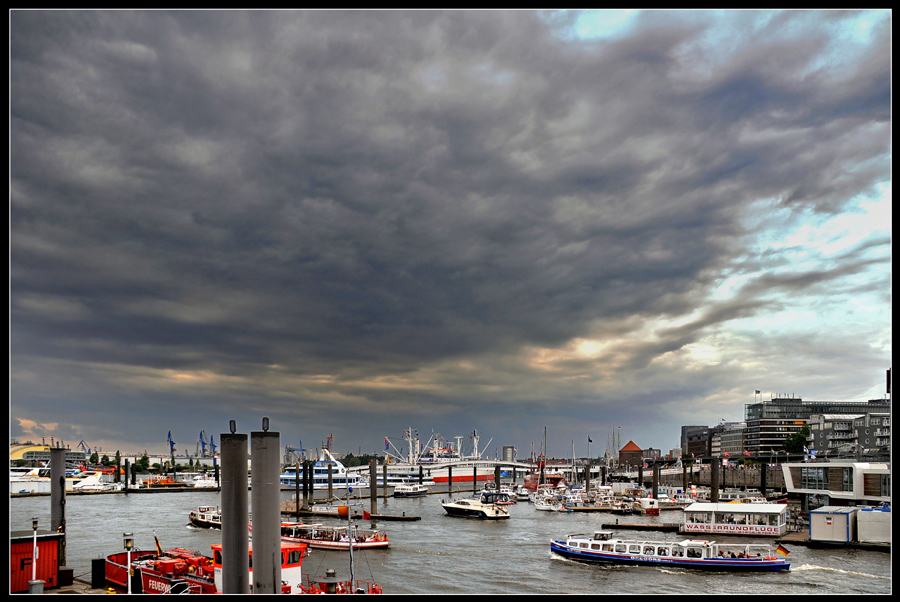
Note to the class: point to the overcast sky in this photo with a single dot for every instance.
(358, 222)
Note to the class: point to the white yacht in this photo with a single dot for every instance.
(341, 478)
(484, 507)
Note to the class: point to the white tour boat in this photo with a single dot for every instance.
(325, 537)
(341, 478)
(736, 519)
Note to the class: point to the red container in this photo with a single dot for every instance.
(21, 553)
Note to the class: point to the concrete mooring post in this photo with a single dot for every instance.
(330, 482)
(58, 497)
(235, 513)
(714, 481)
(297, 493)
(265, 468)
(373, 487)
(655, 481)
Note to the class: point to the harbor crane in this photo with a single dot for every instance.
(292, 455)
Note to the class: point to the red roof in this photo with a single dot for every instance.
(631, 446)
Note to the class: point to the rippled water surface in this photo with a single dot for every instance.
(442, 554)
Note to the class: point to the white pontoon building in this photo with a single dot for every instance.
(736, 519)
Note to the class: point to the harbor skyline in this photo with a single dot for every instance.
(355, 222)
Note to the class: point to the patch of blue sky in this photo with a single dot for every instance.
(593, 24)
(785, 242)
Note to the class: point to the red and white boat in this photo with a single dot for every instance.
(542, 476)
(326, 537)
(179, 570)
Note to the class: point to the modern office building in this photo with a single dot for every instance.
(839, 483)
(770, 422)
(850, 435)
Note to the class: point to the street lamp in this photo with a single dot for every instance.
(129, 543)
(34, 556)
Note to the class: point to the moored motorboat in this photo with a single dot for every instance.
(202, 481)
(602, 547)
(505, 496)
(410, 490)
(522, 494)
(484, 507)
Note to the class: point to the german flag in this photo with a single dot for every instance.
(782, 550)
(158, 547)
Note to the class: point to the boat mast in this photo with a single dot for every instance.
(350, 535)
(574, 473)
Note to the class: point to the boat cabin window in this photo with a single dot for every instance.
(662, 551)
(694, 552)
(601, 536)
(634, 549)
(620, 547)
(648, 549)
(698, 517)
(607, 547)
(595, 546)
(677, 551)
(294, 557)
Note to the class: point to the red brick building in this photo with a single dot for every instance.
(631, 455)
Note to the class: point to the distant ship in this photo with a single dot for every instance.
(341, 478)
(437, 460)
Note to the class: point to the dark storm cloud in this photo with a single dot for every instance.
(353, 193)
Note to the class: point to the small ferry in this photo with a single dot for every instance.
(603, 548)
(325, 537)
(485, 507)
(410, 490)
(206, 517)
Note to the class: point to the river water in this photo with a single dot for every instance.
(440, 554)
